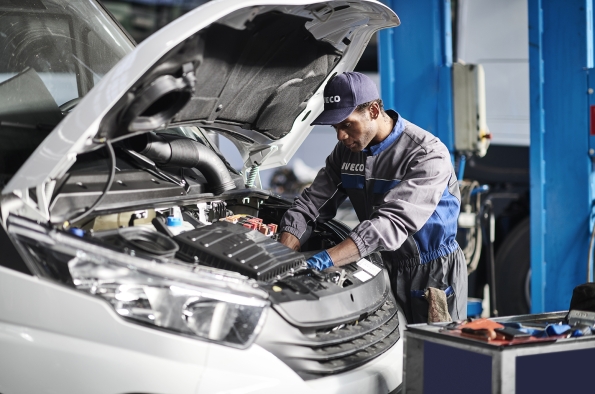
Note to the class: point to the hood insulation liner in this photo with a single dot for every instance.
(247, 76)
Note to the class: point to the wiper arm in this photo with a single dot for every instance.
(70, 104)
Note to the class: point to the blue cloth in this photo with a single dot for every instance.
(320, 261)
(556, 329)
(534, 332)
(550, 330)
(577, 333)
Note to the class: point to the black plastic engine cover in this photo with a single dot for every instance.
(235, 248)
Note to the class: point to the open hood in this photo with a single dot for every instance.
(251, 69)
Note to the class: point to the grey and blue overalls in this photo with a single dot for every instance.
(406, 196)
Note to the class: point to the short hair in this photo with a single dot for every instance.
(364, 106)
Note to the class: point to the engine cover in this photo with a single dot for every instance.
(235, 248)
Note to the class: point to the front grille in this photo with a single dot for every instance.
(330, 351)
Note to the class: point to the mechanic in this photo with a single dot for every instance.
(402, 185)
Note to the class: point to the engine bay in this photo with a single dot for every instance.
(171, 200)
(188, 250)
(241, 235)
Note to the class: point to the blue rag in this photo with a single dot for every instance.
(550, 330)
(556, 329)
(320, 261)
(534, 332)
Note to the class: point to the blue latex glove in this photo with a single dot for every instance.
(320, 261)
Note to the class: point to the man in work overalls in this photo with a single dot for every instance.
(402, 185)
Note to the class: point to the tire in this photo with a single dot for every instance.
(513, 272)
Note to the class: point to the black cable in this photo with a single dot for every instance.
(108, 184)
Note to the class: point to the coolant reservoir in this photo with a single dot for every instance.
(176, 223)
(119, 220)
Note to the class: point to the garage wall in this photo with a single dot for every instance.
(495, 34)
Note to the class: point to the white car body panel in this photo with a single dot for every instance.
(56, 331)
(49, 331)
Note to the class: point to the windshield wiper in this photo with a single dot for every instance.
(70, 104)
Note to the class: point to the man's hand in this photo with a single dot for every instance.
(320, 261)
(290, 240)
(344, 253)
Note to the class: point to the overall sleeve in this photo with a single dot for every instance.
(319, 202)
(406, 207)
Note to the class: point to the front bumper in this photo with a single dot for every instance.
(76, 343)
(383, 375)
(255, 370)
(315, 353)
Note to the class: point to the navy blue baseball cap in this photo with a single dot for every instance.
(343, 94)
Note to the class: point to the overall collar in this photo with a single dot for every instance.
(392, 137)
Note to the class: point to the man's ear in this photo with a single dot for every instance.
(374, 109)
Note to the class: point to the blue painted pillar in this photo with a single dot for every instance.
(536, 156)
(560, 53)
(415, 61)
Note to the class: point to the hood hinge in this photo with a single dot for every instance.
(20, 203)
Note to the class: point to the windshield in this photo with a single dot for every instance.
(52, 52)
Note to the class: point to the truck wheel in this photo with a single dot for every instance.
(513, 272)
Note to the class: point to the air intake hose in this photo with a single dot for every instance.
(174, 151)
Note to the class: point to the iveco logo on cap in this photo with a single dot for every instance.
(332, 99)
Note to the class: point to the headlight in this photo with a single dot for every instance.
(207, 304)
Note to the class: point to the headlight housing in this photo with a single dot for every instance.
(201, 302)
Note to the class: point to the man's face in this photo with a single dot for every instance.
(357, 131)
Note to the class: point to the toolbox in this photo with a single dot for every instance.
(439, 359)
